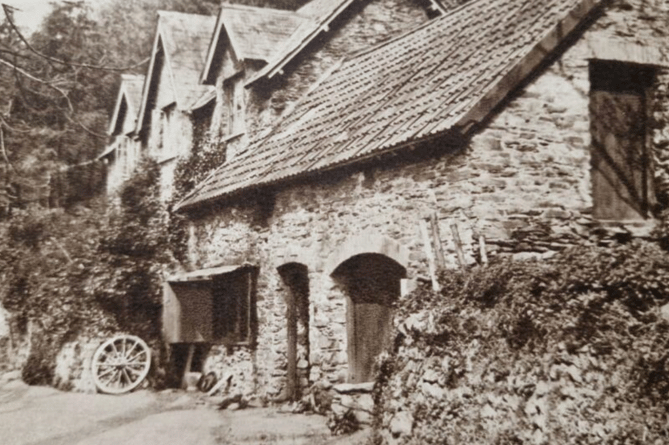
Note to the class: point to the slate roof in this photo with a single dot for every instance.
(186, 40)
(130, 90)
(318, 9)
(441, 77)
(320, 13)
(257, 33)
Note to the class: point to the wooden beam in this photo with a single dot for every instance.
(430, 255)
(189, 364)
(458, 246)
(436, 236)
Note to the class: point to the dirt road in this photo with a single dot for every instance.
(41, 416)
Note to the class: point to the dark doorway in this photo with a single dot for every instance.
(179, 359)
(622, 170)
(372, 286)
(295, 277)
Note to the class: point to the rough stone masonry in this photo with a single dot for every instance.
(522, 182)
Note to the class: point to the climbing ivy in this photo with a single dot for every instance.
(92, 270)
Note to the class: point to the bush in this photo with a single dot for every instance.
(89, 271)
(571, 350)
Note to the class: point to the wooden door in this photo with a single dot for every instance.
(370, 327)
(621, 176)
(296, 280)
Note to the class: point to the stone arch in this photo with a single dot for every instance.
(295, 278)
(369, 270)
(293, 255)
(367, 244)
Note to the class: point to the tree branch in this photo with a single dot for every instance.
(60, 91)
(7, 10)
(4, 150)
(23, 72)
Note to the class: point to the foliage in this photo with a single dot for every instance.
(132, 254)
(567, 351)
(81, 272)
(45, 259)
(206, 155)
(54, 103)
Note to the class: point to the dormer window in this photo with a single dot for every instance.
(235, 104)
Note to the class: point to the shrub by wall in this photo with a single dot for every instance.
(89, 272)
(572, 351)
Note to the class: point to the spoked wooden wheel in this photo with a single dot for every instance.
(121, 364)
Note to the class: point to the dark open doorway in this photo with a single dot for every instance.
(295, 277)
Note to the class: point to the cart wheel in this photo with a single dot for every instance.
(121, 364)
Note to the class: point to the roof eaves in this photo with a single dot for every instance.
(213, 43)
(233, 44)
(529, 63)
(168, 65)
(147, 81)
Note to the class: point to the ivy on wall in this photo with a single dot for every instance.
(93, 271)
(571, 350)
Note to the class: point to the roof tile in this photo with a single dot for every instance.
(186, 40)
(426, 82)
(257, 33)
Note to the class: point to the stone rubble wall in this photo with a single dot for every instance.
(73, 365)
(523, 183)
(236, 365)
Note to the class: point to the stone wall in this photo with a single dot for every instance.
(73, 365)
(522, 183)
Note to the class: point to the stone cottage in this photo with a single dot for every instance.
(256, 84)
(517, 127)
(123, 152)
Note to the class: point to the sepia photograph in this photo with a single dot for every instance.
(334, 222)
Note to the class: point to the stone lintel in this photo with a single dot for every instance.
(353, 388)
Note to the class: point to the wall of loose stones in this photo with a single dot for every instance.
(523, 183)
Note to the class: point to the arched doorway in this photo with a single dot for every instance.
(295, 277)
(371, 281)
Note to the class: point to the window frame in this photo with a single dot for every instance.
(182, 291)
